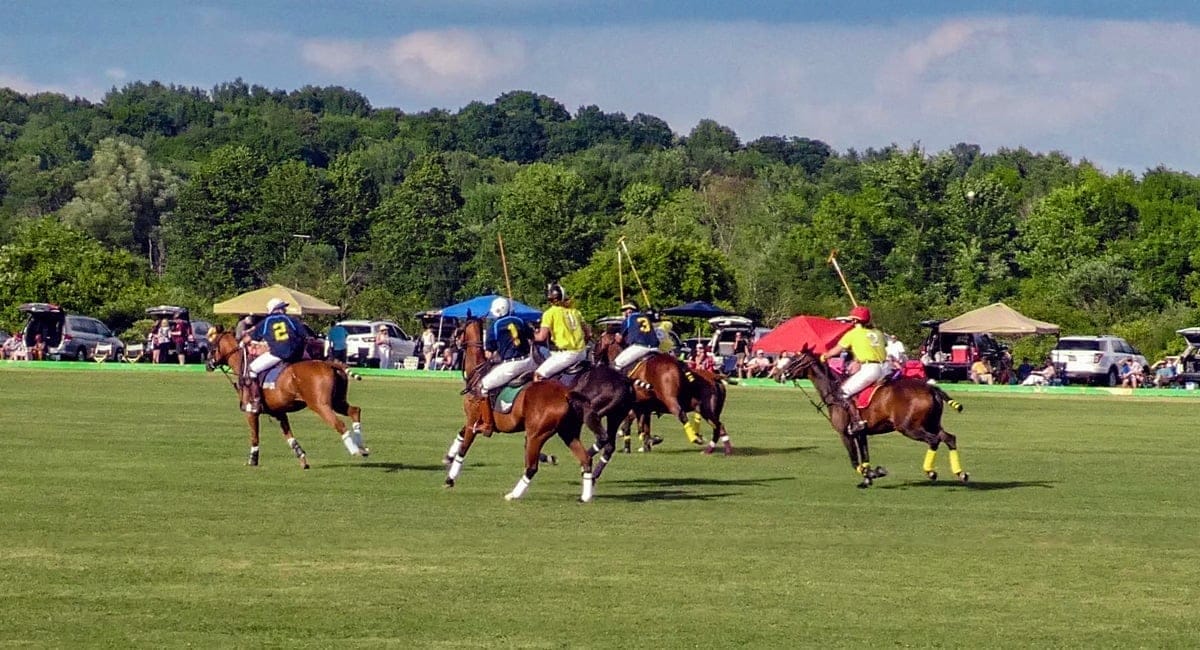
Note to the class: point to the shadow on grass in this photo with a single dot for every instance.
(697, 482)
(666, 495)
(391, 467)
(983, 486)
(740, 451)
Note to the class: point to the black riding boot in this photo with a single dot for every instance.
(856, 422)
(253, 395)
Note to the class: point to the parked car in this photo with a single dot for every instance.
(1094, 359)
(67, 336)
(196, 349)
(1189, 361)
(948, 356)
(360, 341)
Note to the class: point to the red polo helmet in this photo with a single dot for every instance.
(861, 314)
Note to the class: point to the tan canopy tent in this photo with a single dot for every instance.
(255, 302)
(997, 318)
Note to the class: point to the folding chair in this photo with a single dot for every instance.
(102, 353)
(133, 353)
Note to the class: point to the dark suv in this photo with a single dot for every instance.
(196, 348)
(948, 356)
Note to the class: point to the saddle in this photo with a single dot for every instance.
(503, 400)
(862, 399)
(571, 375)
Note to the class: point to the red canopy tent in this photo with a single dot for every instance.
(819, 334)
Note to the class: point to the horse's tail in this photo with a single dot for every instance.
(344, 369)
(945, 398)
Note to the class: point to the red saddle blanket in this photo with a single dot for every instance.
(863, 399)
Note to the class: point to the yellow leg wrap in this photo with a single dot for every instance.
(955, 465)
(930, 460)
(692, 428)
(863, 467)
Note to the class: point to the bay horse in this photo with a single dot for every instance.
(540, 410)
(910, 406)
(318, 385)
(663, 384)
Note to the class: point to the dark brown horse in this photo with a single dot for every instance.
(540, 410)
(317, 385)
(910, 406)
(664, 385)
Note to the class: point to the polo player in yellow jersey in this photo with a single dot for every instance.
(869, 348)
(563, 328)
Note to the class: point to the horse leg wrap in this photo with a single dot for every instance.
(351, 446)
(588, 483)
(955, 463)
(253, 460)
(296, 448)
(692, 429)
(930, 460)
(518, 491)
(455, 468)
(356, 434)
(454, 447)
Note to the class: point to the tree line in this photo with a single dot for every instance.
(169, 194)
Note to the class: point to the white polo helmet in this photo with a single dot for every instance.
(501, 307)
(275, 303)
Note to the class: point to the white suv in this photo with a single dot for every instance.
(360, 341)
(1094, 358)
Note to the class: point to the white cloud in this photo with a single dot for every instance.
(428, 62)
(116, 74)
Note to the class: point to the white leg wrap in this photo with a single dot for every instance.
(519, 490)
(351, 446)
(455, 468)
(587, 487)
(454, 447)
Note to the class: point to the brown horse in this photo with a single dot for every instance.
(318, 385)
(540, 410)
(910, 406)
(664, 385)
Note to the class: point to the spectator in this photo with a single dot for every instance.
(181, 333)
(703, 359)
(1024, 369)
(449, 358)
(981, 372)
(14, 348)
(741, 348)
(784, 359)
(896, 353)
(337, 342)
(1041, 377)
(758, 365)
(160, 338)
(429, 346)
(37, 351)
(1165, 372)
(1131, 373)
(383, 345)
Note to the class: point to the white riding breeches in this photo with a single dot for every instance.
(630, 355)
(262, 363)
(506, 372)
(867, 374)
(560, 360)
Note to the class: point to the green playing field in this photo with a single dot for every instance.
(130, 519)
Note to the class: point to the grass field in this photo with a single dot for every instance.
(130, 519)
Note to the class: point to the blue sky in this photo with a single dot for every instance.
(1114, 82)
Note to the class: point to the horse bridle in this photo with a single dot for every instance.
(222, 361)
(802, 363)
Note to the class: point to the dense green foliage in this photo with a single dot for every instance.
(390, 212)
(131, 520)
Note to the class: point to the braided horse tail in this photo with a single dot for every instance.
(945, 398)
(343, 369)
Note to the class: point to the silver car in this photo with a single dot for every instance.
(67, 336)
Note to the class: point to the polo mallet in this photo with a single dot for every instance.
(504, 264)
(645, 296)
(836, 267)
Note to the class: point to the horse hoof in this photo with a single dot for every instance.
(931, 476)
(449, 483)
(866, 483)
(552, 459)
(880, 472)
(365, 452)
(728, 449)
(511, 497)
(964, 477)
(707, 451)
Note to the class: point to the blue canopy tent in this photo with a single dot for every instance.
(479, 306)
